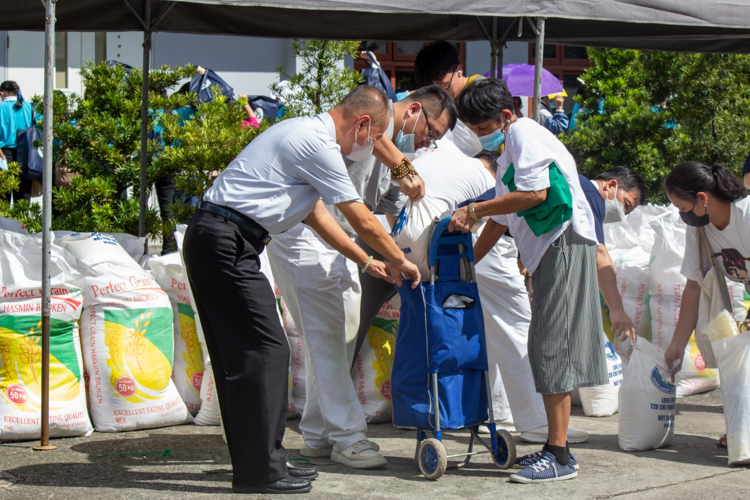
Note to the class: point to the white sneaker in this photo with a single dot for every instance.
(539, 435)
(361, 455)
(506, 424)
(308, 452)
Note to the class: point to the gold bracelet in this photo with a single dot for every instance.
(402, 169)
(473, 212)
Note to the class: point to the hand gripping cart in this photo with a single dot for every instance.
(439, 377)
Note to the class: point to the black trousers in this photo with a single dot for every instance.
(375, 293)
(248, 348)
(24, 188)
(165, 195)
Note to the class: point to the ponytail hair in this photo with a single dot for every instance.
(13, 88)
(688, 179)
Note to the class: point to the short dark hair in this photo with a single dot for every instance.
(627, 180)
(688, 179)
(366, 100)
(435, 101)
(434, 61)
(483, 100)
(489, 158)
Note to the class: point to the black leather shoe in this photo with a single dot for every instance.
(286, 486)
(304, 472)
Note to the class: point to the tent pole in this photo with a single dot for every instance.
(49, 65)
(493, 50)
(539, 58)
(144, 121)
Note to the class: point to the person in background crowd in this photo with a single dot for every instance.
(276, 182)
(612, 195)
(746, 172)
(712, 198)
(438, 64)
(15, 115)
(518, 106)
(557, 121)
(539, 197)
(252, 120)
(578, 107)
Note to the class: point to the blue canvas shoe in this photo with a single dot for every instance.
(545, 470)
(532, 458)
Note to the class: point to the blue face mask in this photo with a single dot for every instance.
(405, 142)
(493, 141)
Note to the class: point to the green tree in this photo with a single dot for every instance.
(28, 214)
(658, 109)
(323, 80)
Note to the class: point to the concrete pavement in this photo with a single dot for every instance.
(135, 465)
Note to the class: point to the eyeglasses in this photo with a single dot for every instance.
(446, 87)
(431, 137)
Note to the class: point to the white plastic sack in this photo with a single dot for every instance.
(12, 225)
(187, 369)
(372, 370)
(209, 413)
(296, 404)
(733, 355)
(127, 338)
(20, 343)
(602, 401)
(414, 236)
(647, 401)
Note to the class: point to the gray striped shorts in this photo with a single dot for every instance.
(565, 335)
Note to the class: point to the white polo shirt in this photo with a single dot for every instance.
(280, 176)
(531, 149)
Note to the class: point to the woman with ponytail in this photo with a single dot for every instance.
(15, 115)
(713, 198)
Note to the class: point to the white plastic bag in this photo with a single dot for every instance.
(413, 237)
(12, 225)
(647, 401)
(733, 356)
(20, 343)
(602, 401)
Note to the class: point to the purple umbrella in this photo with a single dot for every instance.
(520, 80)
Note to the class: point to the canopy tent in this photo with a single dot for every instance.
(681, 25)
(673, 25)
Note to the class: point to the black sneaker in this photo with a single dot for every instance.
(546, 469)
(532, 458)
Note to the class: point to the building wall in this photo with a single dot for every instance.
(478, 56)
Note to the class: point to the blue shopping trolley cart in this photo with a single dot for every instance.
(439, 377)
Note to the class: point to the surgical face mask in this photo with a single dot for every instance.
(614, 210)
(405, 143)
(359, 153)
(493, 141)
(691, 219)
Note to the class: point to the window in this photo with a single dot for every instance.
(61, 60)
(397, 60)
(100, 47)
(566, 63)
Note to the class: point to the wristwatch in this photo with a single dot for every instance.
(473, 212)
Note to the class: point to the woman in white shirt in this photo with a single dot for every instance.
(713, 198)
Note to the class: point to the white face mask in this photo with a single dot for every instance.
(359, 153)
(614, 210)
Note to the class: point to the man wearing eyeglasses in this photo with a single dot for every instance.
(322, 288)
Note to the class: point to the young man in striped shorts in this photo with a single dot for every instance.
(539, 197)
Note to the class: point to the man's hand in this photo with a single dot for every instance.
(201, 70)
(412, 186)
(559, 102)
(622, 325)
(461, 220)
(409, 270)
(672, 355)
(380, 270)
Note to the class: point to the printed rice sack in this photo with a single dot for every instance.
(413, 230)
(602, 401)
(188, 355)
(127, 338)
(20, 343)
(209, 413)
(372, 374)
(296, 403)
(647, 401)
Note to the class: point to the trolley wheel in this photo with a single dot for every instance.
(432, 459)
(505, 458)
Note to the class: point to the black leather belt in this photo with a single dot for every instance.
(242, 221)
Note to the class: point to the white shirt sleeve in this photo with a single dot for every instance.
(501, 219)
(530, 162)
(690, 265)
(326, 172)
